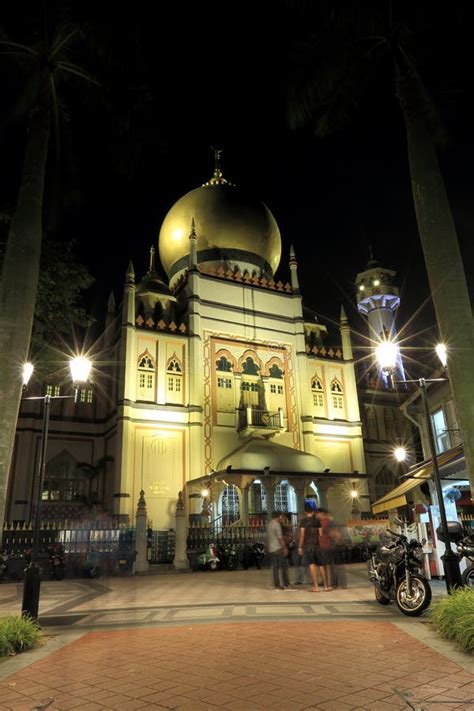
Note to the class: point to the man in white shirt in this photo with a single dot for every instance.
(278, 550)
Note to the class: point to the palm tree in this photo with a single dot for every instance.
(46, 64)
(92, 471)
(334, 69)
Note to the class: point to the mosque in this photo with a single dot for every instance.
(218, 379)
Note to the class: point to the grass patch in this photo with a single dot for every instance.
(18, 634)
(453, 617)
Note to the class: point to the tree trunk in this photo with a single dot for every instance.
(446, 275)
(18, 288)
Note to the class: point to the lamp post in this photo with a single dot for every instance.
(386, 353)
(80, 368)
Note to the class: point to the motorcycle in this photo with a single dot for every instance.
(209, 560)
(227, 554)
(464, 547)
(57, 561)
(394, 571)
(3, 565)
(253, 554)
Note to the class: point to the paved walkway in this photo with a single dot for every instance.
(227, 641)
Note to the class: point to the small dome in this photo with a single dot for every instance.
(232, 229)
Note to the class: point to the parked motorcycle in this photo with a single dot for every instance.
(394, 570)
(57, 561)
(209, 560)
(464, 547)
(227, 553)
(253, 555)
(3, 565)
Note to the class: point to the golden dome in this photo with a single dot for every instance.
(232, 229)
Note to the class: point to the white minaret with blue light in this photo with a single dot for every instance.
(378, 299)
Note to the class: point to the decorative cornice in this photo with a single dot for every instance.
(323, 352)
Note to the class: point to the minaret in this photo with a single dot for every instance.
(294, 272)
(128, 308)
(193, 258)
(345, 330)
(378, 299)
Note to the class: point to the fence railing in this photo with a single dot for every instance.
(201, 536)
(161, 546)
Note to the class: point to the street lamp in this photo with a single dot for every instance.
(386, 353)
(80, 368)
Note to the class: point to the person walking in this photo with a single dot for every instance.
(326, 543)
(308, 545)
(278, 550)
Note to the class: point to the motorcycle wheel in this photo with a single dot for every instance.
(232, 564)
(213, 565)
(380, 597)
(418, 601)
(468, 577)
(58, 573)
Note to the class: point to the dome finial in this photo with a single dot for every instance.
(152, 260)
(217, 178)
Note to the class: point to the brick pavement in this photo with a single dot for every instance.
(288, 665)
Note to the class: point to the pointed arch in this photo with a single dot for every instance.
(174, 380)
(146, 377)
(337, 394)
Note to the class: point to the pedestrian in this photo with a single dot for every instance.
(326, 545)
(278, 550)
(308, 545)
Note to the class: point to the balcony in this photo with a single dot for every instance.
(251, 421)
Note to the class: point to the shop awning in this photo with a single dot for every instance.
(415, 476)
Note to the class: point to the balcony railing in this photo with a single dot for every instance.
(252, 418)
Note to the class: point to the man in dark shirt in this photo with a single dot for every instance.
(308, 545)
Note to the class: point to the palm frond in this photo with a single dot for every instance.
(22, 47)
(63, 38)
(77, 71)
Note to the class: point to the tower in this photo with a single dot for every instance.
(378, 299)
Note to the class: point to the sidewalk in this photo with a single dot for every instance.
(227, 641)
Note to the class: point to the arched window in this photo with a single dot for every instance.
(276, 389)
(250, 384)
(63, 481)
(390, 425)
(372, 428)
(285, 499)
(337, 395)
(146, 377)
(225, 385)
(257, 498)
(230, 505)
(318, 392)
(174, 380)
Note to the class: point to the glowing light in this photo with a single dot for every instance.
(28, 369)
(205, 493)
(361, 287)
(177, 233)
(80, 369)
(386, 354)
(400, 454)
(354, 494)
(442, 354)
(376, 282)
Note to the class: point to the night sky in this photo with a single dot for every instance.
(213, 74)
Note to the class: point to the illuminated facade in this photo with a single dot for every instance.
(204, 369)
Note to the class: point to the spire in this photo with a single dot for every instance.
(345, 330)
(151, 269)
(193, 259)
(130, 274)
(294, 272)
(111, 303)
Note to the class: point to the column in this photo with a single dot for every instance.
(180, 561)
(141, 561)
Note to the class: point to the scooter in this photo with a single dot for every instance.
(3, 565)
(253, 554)
(227, 554)
(209, 560)
(57, 561)
(464, 547)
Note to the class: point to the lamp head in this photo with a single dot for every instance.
(28, 369)
(80, 367)
(442, 354)
(400, 454)
(386, 353)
